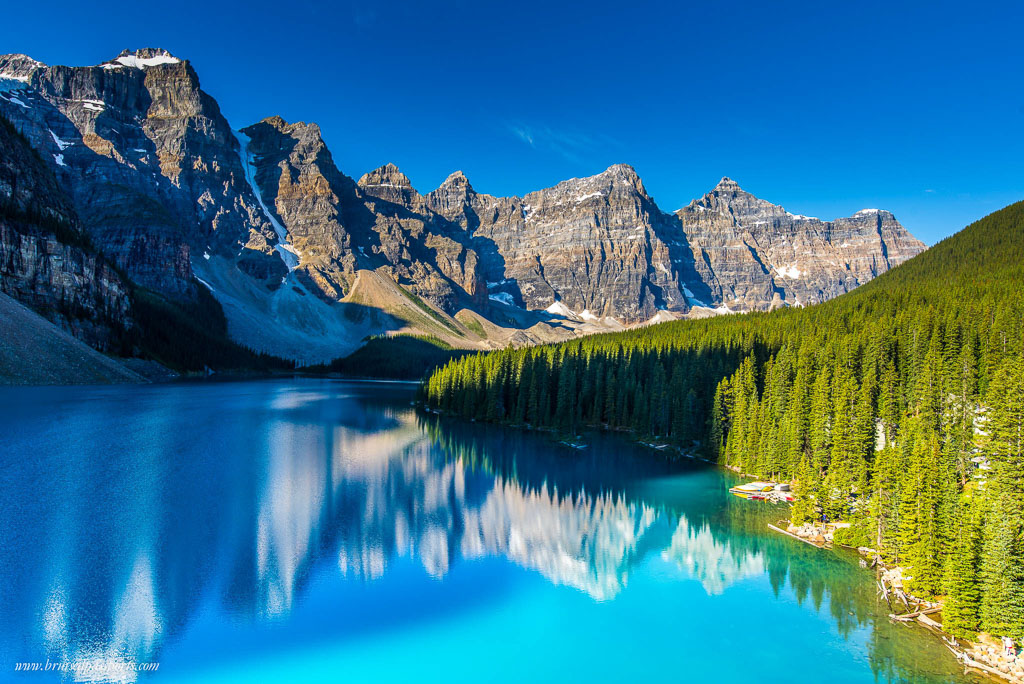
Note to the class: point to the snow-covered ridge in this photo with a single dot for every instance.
(867, 211)
(559, 309)
(136, 62)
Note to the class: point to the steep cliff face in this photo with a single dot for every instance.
(307, 199)
(334, 226)
(150, 163)
(45, 261)
(600, 247)
(592, 247)
(306, 261)
(752, 254)
(421, 250)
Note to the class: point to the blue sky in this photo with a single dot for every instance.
(824, 109)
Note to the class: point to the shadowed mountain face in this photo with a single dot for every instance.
(149, 161)
(267, 220)
(45, 260)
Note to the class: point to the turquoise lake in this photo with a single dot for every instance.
(326, 531)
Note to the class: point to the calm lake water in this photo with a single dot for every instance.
(324, 531)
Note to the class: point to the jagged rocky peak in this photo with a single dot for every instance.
(18, 67)
(880, 215)
(388, 176)
(274, 131)
(727, 197)
(141, 59)
(753, 254)
(456, 180)
(452, 198)
(389, 184)
(622, 172)
(621, 176)
(134, 133)
(310, 129)
(616, 182)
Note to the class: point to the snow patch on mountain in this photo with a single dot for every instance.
(560, 309)
(692, 298)
(62, 144)
(13, 99)
(10, 82)
(137, 62)
(789, 272)
(288, 253)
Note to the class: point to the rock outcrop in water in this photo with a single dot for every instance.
(284, 239)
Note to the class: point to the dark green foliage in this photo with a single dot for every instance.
(191, 336)
(961, 615)
(857, 535)
(875, 403)
(397, 357)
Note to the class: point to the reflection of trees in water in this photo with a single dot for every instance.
(359, 482)
(569, 513)
(717, 547)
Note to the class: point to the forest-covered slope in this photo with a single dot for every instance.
(899, 407)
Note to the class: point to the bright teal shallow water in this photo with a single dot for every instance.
(323, 531)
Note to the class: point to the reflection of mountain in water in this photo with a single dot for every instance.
(711, 562)
(581, 541)
(375, 496)
(118, 553)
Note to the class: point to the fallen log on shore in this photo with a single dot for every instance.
(907, 617)
(968, 661)
(796, 536)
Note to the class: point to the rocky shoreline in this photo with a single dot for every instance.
(987, 655)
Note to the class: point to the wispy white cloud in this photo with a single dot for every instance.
(523, 134)
(569, 144)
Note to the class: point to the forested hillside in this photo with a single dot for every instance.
(898, 407)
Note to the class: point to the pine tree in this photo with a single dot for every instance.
(961, 610)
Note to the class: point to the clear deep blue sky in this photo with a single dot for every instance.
(917, 108)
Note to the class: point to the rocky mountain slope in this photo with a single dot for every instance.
(307, 262)
(750, 253)
(46, 262)
(34, 351)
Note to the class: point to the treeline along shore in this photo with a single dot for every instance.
(898, 407)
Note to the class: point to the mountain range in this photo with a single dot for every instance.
(127, 175)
